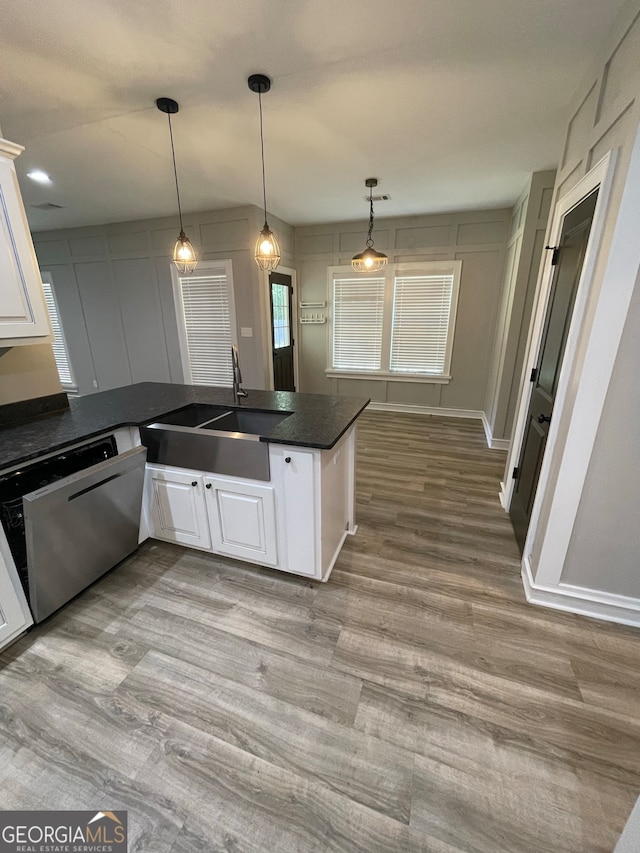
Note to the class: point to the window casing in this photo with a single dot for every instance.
(59, 344)
(397, 324)
(205, 311)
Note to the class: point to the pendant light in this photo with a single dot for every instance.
(184, 255)
(369, 260)
(267, 251)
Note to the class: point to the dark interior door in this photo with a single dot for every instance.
(568, 261)
(282, 331)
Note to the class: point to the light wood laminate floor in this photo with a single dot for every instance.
(413, 703)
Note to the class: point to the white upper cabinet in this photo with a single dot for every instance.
(23, 313)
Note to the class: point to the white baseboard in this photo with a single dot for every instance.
(494, 443)
(426, 410)
(503, 497)
(585, 602)
(476, 414)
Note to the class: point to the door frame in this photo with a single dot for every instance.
(600, 176)
(267, 335)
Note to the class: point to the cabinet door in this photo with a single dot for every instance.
(23, 314)
(13, 617)
(299, 506)
(176, 507)
(243, 520)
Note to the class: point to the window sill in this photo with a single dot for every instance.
(388, 377)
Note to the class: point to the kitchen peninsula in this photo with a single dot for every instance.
(293, 515)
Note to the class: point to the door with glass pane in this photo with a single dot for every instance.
(281, 292)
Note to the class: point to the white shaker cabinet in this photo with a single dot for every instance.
(296, 522)
(23, 313)
(174, 501)
(316, 509)
(242, 518)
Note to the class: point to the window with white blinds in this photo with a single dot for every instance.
(358, 311)
(59, 345)
(398, 324)
(420, 324)
(205, 306)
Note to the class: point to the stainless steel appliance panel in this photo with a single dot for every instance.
(231, 454)
(80, 527)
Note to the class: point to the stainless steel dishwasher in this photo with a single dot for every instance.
(79, 527)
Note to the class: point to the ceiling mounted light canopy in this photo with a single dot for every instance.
(370, 260)
(184, 255)
(267, 251)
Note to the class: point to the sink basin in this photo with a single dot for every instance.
(213, 438)
(194, 415)
(246, 421)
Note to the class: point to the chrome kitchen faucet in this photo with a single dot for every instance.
(238, 390)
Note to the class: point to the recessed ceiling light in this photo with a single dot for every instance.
(39, 176)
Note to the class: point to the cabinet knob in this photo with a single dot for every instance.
(195, 483)
(207, 485)
(287, 459)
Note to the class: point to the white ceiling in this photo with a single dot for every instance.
(450, 103)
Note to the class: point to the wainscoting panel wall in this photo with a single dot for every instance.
(603, 398)
(477, 238)
(114, 292)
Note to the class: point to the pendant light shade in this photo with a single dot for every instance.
(184, 255)
(369, 260)
(267, 251)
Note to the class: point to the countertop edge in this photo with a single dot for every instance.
(82, 436)
(317, 445)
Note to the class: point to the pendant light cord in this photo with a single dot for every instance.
(264, 180)
(369, 239)
(175, 172)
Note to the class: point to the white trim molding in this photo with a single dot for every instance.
(619, 280)
(10, 149)
(475, 414)
(601, 176)
(503, 497)
(585, 602)
(426, 410)
(387, 377)
(494, 443)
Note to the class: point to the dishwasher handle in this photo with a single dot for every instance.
(95, 486)
(91, 478)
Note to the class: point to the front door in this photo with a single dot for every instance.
(282, 331)
(568, 258)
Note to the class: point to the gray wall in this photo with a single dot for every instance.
(477, 238)
(524, 251)
(113, 286)
(604, 548)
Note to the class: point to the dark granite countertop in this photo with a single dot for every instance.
(317, 420)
